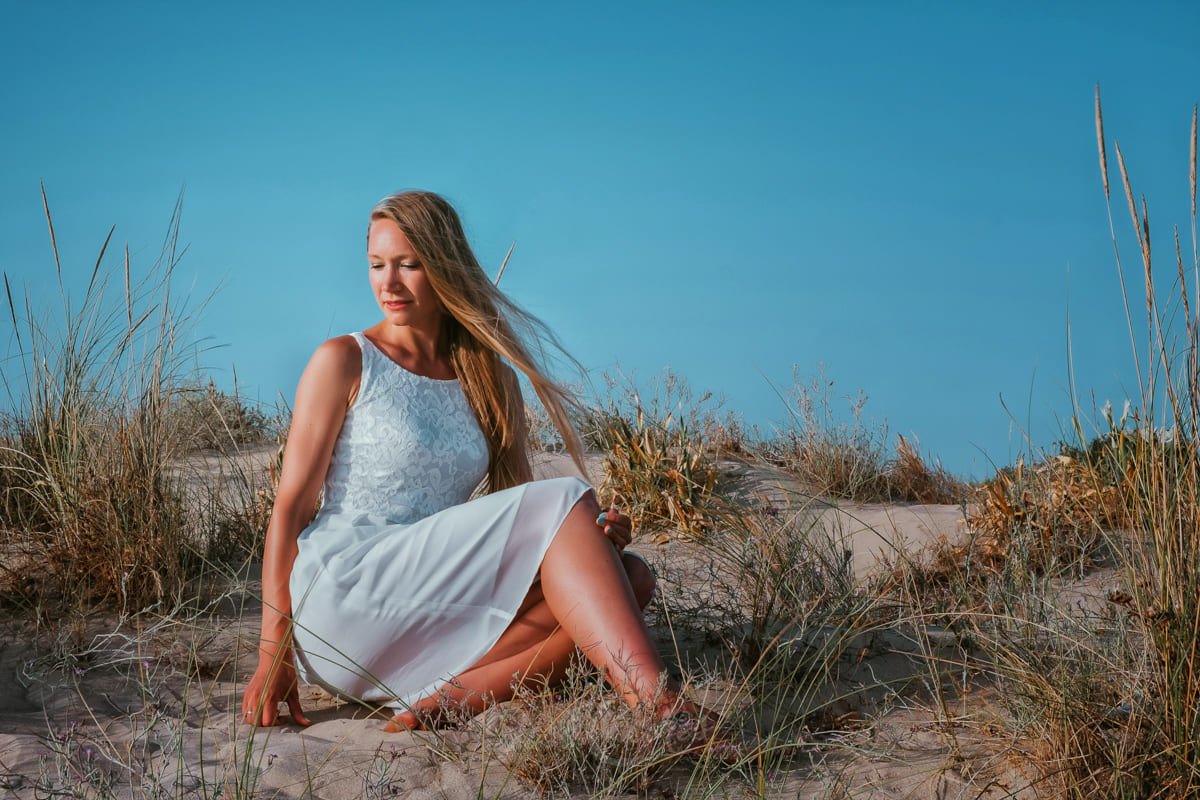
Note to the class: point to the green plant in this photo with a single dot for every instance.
(655, 462)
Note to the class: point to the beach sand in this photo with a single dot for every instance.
(148, 706)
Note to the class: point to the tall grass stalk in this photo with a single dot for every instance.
(1126, 721)
(84, 485)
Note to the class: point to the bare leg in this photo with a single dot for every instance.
(586, 590)
(533, 647)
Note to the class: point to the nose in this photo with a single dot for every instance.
(393, 280)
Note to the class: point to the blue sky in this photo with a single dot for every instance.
(906, 193)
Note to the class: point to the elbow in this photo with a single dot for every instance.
(290, 514)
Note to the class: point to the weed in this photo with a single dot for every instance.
(90, 489)
(847, 458)
(656, 466)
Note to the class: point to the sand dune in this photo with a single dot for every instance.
(147, 707)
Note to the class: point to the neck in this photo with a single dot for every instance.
(421, 343)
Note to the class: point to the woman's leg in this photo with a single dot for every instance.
(533, 647)
(585, 587)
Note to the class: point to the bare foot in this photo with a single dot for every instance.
(417, 719)
(435, 711)
(404, 721)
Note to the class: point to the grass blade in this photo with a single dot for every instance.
(1100, 143)
(504, 263)
(12, 311)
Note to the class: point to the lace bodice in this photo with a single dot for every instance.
(410, 445)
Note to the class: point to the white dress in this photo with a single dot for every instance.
(401, 582)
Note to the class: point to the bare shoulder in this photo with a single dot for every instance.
(340, 353)
(336, 366)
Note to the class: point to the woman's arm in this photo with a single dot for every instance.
(326, 389)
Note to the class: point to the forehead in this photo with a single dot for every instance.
(385, 237)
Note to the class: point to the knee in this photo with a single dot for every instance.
(640, 578)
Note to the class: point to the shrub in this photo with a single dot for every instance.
(88, 477)
(848, 458)
(655, 462)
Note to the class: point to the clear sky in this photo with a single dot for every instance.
(907, 193)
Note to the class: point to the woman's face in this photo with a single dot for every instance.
(398, 278)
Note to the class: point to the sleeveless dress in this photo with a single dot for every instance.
(401, 582)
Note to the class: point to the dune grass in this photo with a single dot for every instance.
(846, 457)
(1079, 583)
(105, 407)
(1158, 751)
(1073, 598)
(656, 464)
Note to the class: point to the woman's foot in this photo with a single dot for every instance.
(449, 705)
(418, 718)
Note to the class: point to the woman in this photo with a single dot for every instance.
(402, 591)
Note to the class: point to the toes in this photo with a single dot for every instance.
(404, 721)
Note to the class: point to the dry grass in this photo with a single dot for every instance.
(846, 457)
(578, 737)
(104, 410)
(206, 417)
(1110, 689)
(1056, 513)
(1157, 751)
(657, 467)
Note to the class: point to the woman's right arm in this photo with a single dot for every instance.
(325, 392)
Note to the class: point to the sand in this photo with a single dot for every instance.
(147, 707)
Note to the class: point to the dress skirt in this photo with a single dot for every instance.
(387, 613)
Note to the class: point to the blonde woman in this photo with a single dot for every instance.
(403, 591)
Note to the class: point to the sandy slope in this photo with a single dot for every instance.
(148, 708)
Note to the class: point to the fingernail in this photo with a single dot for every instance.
(602, 519)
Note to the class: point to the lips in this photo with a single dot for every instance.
(397, 303)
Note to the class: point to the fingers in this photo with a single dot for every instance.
(293, 702)
(261, 709)
(263, 717)
(621, 537)
(270, 714)
(250, 703)
(617, 526)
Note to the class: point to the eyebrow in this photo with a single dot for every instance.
(377, 257)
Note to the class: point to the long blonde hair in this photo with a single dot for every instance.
(481, 329)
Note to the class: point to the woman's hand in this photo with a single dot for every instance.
(617, 527)
(274, 681)
(326, 389)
